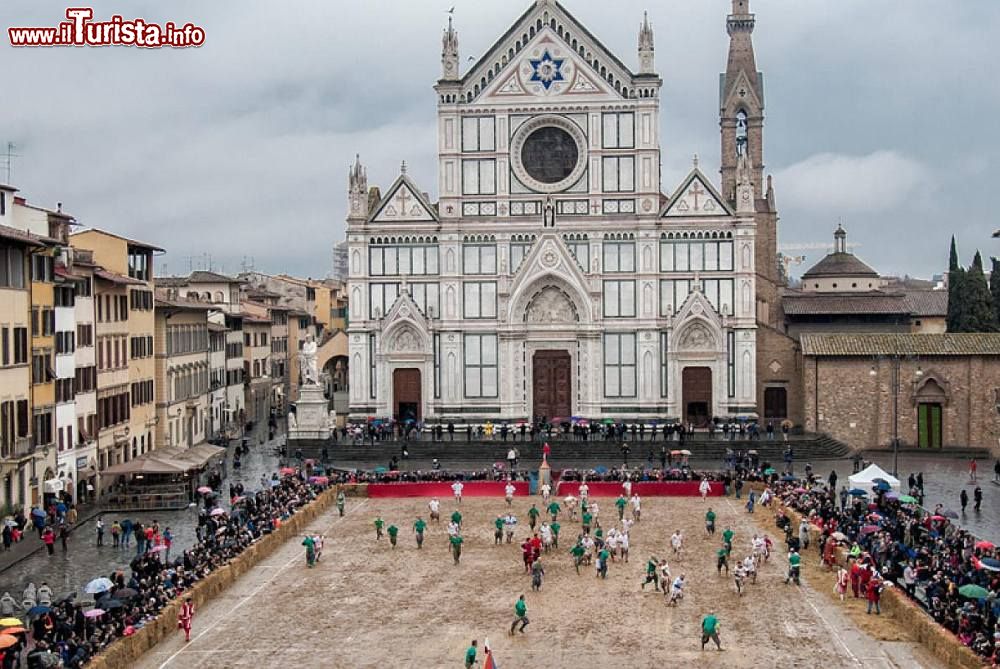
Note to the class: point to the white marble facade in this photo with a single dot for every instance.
(550, 233)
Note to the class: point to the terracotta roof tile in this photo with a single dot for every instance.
(855, 345)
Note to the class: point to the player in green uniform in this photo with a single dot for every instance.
(652, 574)
(577, 552)
(710, 630)
(457, 518)
(710, 522)
(341, 499)
(721, 560)
(587, 519)
(727, 539)
(379, 524)
(498, 533)
(456, 547)
(520, 614)
(554, 526)
(554, 510)
(393, 531)
(419, 528)
(533, 514)
(470, 655)
(602, 562)
(621, 503)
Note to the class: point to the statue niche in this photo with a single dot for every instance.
(551, 305)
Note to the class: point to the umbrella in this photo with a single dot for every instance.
(769, 471)
(989, 564)
(217, 511)
(882, 485)
(685, 452)
(125, 593)
(38, 512)
(156, 549)
(6, 640)
(938, 518)
(985, 545)
(38, 610)
(10, 622)
(857, 492)
(973, 591)
(204, 490)
(868, 529)
(839, 536)
(906, 499)
(14, 630)
(800, 489)
(310, 462)
(96, 586)
(10, 522)
(675, 452)
(93, 613)
(608, 421)
(601, 469)
(892, 495)
(319, 480)
(788, 478)
(949, 514)
(287, 471)
(498, 465)
(47, 659)
(381, 470)
(109, 604)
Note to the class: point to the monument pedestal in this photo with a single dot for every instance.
(312, 415)
(544, 473)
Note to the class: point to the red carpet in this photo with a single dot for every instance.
(443, 490)
(643, 489)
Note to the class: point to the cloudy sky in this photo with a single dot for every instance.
(882, 115)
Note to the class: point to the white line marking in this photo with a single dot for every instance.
(247, 598)
(836, 635)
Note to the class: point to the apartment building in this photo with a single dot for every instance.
(183, 373)
(124, 326)
(79, 265)
(257, 365)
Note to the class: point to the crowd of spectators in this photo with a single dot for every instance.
(925, 554)
(65, 635)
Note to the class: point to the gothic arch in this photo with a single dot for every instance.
(576, 295)
(930, 389)
(404, 336)
(697, 334)
(550, 305)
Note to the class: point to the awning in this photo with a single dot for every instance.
(145, 465)
(86, 473)
(53, 486)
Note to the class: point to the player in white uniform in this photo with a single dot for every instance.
(676, 591)
(704, 489)
(546, 534)
(508, 492)
(456, 489)
(623, 546)
(677, 543)
(636, 507)
(509, 523)
(435, 507)
(546, 490)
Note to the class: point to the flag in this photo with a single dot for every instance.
(488, 662)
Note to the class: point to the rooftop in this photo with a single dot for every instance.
(874, 302)
(865, 345)
(28, 238)
(133, 242)
(840, 264)
(202, 276)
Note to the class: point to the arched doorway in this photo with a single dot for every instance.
(406, 394)
(696, 395)
(775, 403)
(931, 398)
(552, 384)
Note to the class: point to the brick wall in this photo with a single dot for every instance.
(843, 399)
(779, 364)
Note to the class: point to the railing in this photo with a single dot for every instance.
(145, 501)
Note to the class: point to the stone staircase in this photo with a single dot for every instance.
(569, 452)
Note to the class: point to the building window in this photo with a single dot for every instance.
(619, 174)
(673, 292)
(139, 262)
(619, 365)
(478, 133)
(479, 177)
(480, 299)
(20, 346)
(393, 260)
(619, 256)
(381, 298)
(41, 424)
(619, 130)
(520, 247)
(42, 269)
(696, 256)
(579, 246)
(65, 343)
(437, 366)
(720, 294)
(63, 296)
(731, 363)
(427, 297)
(41, 366)
(664, 364)
(481, 365)
(619, 299)
(479, 258)
(372, 371)
(11, 267)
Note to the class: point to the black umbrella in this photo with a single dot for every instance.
(109, 604)
(125, 593)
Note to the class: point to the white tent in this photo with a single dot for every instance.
(865, 479)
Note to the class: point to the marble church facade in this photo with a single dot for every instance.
(553, 277)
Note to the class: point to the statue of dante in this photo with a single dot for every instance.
(307, 362)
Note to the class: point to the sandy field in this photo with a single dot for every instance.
(367, 605)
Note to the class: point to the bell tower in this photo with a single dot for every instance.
(741, 103)
(357, 192)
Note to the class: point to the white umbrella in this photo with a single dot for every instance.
(98, 585)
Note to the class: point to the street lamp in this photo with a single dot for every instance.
(895, 360)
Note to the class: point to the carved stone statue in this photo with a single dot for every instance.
(291, 420)
(307, 362)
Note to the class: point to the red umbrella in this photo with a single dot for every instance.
(985, 545)
(287, 471)
(938, 518)
(868, 529)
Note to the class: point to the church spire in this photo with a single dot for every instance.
(741, 103)
(357, 191)
(449, 53)
(646, 65)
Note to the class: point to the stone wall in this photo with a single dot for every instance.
(779, 364)
(125, 651)
(843, 399)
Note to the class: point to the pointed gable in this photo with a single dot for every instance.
(696, 197)
(403, 202)
(516, 64)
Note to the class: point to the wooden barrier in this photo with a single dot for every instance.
(125, 651)
(937, 639)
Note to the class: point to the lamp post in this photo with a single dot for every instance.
(895, 363)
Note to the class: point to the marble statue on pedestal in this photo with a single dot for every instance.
(307, 362)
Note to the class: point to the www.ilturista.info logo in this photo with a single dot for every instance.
(81, 30)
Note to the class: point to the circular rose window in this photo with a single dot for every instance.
(547, 153)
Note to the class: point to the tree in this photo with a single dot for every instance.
(995, 286)
(978, 314)
(955, 297)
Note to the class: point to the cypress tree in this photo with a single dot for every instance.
(978, 313)
(955, 297)
(995, 286)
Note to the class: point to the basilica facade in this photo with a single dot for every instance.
(554, 276)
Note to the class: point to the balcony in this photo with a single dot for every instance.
(18, 449)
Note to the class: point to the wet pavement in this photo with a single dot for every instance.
(84, 561)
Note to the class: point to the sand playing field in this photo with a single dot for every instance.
(367, 605)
